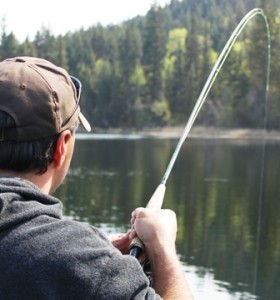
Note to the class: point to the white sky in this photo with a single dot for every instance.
(26, 17)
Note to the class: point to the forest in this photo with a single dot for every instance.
(150, 70)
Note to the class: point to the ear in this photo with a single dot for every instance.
(61, 147)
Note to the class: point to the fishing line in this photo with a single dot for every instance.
(263, 152)
(158, 196)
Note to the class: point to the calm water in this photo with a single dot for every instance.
(229, 228)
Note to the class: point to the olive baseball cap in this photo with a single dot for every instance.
(42, 98)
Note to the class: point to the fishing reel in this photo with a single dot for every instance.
(138, 252)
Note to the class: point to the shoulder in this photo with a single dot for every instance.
(95, 266)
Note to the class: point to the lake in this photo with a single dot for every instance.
(225, 194)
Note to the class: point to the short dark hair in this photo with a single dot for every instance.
(25, 156)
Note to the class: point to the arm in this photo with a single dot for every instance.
(157, 230)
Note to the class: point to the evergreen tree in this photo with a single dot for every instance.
(137, 73)
(9, 45)
(27, 48)
(175, 73)
(154, 51)
(192, 66)
(130, 57)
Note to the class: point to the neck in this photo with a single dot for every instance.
(42, 181)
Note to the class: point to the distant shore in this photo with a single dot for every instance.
(196, 132)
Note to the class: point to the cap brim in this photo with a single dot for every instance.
(84, 122)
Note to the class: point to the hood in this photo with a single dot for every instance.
(20, 200)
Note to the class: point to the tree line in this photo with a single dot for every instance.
(149, 71)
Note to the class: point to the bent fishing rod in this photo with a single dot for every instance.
(156, 201)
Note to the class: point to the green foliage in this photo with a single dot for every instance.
(150, 70)
(161, 111)
(176, 41)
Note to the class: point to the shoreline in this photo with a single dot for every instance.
(195, 132)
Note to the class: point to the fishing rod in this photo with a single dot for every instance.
(137, 247)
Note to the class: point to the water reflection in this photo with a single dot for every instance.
(213, 188)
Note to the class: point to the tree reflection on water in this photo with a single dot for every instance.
(230, 248)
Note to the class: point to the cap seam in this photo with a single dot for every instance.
(50, 87)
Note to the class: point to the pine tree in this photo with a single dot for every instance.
(154, 51)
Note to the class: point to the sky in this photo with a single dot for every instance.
(25, 18)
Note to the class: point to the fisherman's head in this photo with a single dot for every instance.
(38, 102)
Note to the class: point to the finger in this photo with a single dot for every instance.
(141, 212)
(135, 214)
(132, 233)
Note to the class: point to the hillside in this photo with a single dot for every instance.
(149, 71)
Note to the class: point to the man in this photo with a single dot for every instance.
(43, 255)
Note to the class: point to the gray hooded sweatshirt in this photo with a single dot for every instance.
(43, 256)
